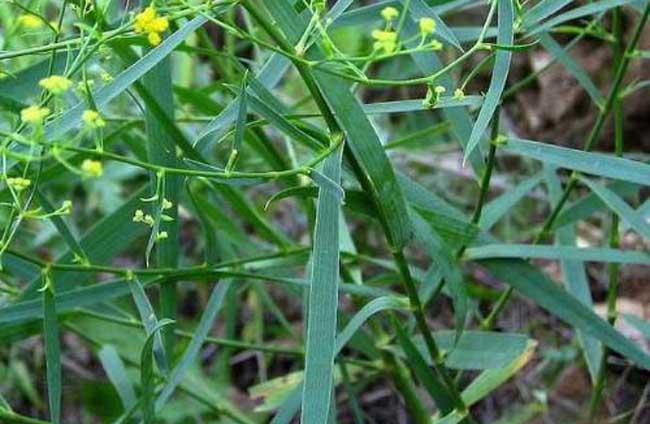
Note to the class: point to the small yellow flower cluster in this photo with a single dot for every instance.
(385, 40)
(148, 22)
(18, 183)
(140, 216)
(92, 168)
(30, 21)
(427, 26)
(389, 13)
(92, 119)
(162, 235)
(459, 94)
(433, 95)
(66, 207)
(34, 114)
(56, 84)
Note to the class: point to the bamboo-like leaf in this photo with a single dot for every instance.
(499, 76)
(584, 254)
(429, 378)
(489, 380)
(52, 351)
(116, 372)
(618, 205)
(530, 282)
(497, 208)
(212, 308)
(147, 375)
(587, 162)
(323, 299)
(149, 321)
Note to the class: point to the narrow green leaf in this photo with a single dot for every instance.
(61, 226)
(427, 376)
(497, 208)
(147, 374)
(323, 299)
(442, 255)
(573, 67)
(530, 282)
(52, 351)
(584, 254)
(590, 163)
(212, 308)
(618, 205)
(487, 381)
(576, 13)
(371, 308)
(589, 204)
(404, 106)
(499, 76)
(149, 321)
(116, 372)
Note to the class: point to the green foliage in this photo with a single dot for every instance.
(186, 173)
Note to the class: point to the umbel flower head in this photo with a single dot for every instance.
(389, 13)
(427, 26)
(30, 21)
(18, 183)
(148, 22)
(34, 114)
(92, 168)
(56, 84)
(386, 40)
(92, 119)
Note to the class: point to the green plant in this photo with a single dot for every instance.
(128, 125)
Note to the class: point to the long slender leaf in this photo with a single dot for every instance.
(529, 281)
(499, 76)
(323, 299)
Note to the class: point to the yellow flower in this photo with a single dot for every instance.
(105, 76)
(138, 216)
(30, 21)
(92, 168)
(439, 89)
(389, 13)
(66, 207)
(150, 23)
(166, 204)
(34, 114)
(459, 94)
(93, 119)
(386, 40)
(427, 26)
(162, 235)
(19, 183)
(56, 84)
